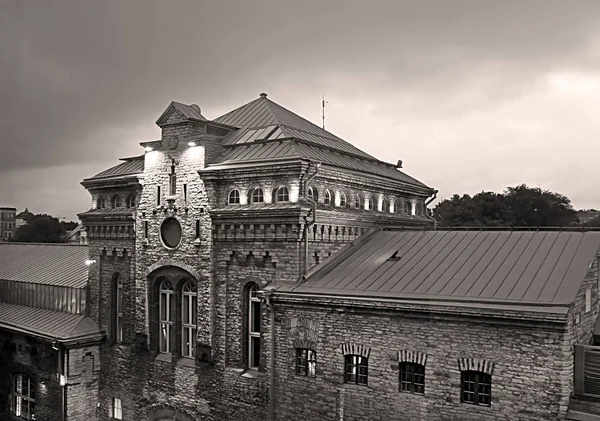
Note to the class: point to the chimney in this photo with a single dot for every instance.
(399, 164)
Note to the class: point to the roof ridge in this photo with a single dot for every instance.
(21, 243)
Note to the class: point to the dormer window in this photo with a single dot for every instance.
(234, 197)
(282, 194)
(116, 201)
(130, 203)
(312, 193)
(385, 207)
(343, 200)
(327, 199)
(358, 203)
(408, 208)
(371, 203)
(257, 195)
(101, 203)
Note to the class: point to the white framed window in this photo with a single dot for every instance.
(282, 195)
(257, 195)
(117, 409)
(118, 309)
(327, 199)
(189, 307)
(254, 318)
(588, 300)
(23, 397)
(234, 197)
(165, 304)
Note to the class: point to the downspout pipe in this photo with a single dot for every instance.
(435, 192)
(307, 223)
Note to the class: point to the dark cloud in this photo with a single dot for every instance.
(83, 81)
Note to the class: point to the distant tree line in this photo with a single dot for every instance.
(519, 206)
(43, 228)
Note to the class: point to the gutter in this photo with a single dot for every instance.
(431, 218)
(308, 224)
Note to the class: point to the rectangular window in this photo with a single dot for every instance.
(476, 388)
(166, 320)
(117, 409)
(145, 229)
(306, 362)
(185, 192)
(588, 300)
(189, 306)
(157, 195)
(119, 311)
(356, 369)
(412, 378)
(254, 317)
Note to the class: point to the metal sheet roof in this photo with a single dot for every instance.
(263, 112)
(129, 167)
(48, 323)
(517, 267)
(291, 149)
(49, 264)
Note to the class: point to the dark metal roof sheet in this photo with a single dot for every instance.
(108, 212)
(189, 111)
(515, 267)
(263, 112)
(258, 207)
(48, 323)
(130, 167)
(49, 264)
(291, 149)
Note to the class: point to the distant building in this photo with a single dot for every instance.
(7, 223)
(23, 218)
(77, 235)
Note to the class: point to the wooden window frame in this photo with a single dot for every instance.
(253, 336)
(166, 323)
(306, 362)
(233, 198)
(282, 195)
(411, 378)
(477, 379)
(356, 369)
(19, 398)
(189, 299)
(257, 193)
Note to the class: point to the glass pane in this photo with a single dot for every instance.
(32, 409)
(194, 310)
(186, 304)
(164, 338)
(119, 329)
(255, 317)
(163, 306)
(254, 352)
(119, 299)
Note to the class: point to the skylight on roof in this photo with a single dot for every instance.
(266, 133)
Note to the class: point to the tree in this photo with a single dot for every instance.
(42, 229)
(593, 222)
(517, 206)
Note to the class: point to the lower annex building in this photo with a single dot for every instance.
(256, 266)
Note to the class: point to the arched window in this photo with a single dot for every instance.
(371, 203)
(23, 397)
(397, 206)
(189, 306)
(418, 209)
(312, 193)
(166, 317)
(101, 203)
(256, 195)
(117, 309)
(385, 207)
(408, 207)
(282, 195)
(116, 201)
(234, 197)
(343, 200)
(358, 202)
(327, 199)
(252, 329)
(130, 203)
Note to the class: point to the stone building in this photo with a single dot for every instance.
(7, 223)
(255, 266)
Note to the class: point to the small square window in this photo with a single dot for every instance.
(356, 369)
(306, 362)
(476, 388)
(412, 378)
(117, 409)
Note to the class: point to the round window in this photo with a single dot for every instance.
(170, 232)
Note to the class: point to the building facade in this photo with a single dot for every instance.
(7, 223)
(257, 267)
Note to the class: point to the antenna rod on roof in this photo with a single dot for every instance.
(324, 102)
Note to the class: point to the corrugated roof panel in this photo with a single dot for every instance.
(50, 264)
(517, 268)
(133, 166)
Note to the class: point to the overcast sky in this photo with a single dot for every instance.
(471, 95)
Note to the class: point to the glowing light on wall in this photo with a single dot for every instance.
(294, 193)
(337, 199)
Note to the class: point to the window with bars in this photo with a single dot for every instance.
(189, 306)
(166, 316)
(282, 194)
(257, 195)
(253, 327)
(234, 197)
(412, 377)
(356, 369)
(23, 397)
(306, 362)
(476, 388)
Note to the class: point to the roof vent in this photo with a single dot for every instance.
(399, 164)
(263, 95)
(394, 257)
(196, 107)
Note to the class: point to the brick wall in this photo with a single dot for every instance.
(529, 377)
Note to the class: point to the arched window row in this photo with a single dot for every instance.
(280, 194)
(116, 201)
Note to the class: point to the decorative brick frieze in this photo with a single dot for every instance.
(408, 356)
(304, 343)
(474, 364)
(355, 349)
